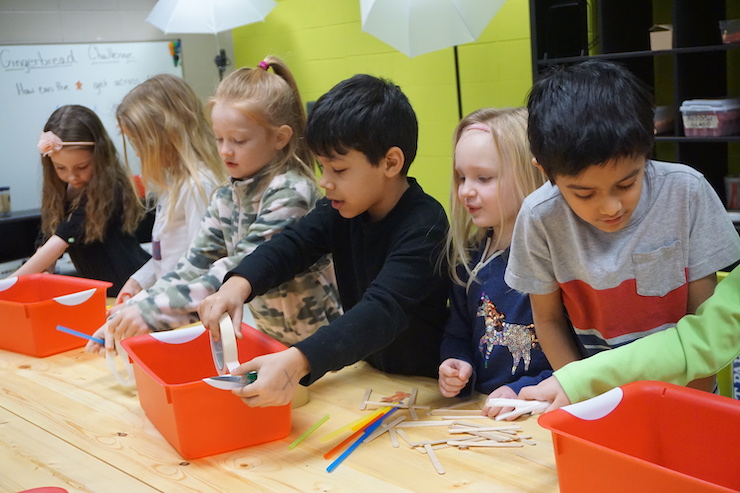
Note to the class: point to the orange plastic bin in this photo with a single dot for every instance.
(647, 437)
(195, 418)
(32, 306)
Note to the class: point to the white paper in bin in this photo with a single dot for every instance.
(596, 407)
(179, 336)
(75, 299)
(7, 283)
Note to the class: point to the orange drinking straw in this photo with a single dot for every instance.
(366, 432)
(339, 447)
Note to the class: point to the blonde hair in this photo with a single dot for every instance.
(508, 128)
(74, 123)
(271, 100)
(164, 119)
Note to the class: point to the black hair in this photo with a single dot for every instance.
(366, 114)
(586, 114)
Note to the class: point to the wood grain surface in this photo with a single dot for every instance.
(64, 421)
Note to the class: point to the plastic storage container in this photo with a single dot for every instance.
(647, 436)
(730, 31)
(195, 418)
(710, 117)
(32, 306)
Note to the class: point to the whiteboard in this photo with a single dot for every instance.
(37, 79)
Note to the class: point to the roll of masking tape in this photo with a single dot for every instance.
(124, 378)
(225, 354)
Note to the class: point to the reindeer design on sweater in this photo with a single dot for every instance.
(519, 339)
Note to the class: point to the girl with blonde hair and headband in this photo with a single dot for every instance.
(89, 207)
(489, 343)
(258, 121)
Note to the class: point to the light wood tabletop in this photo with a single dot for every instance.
(65, 422)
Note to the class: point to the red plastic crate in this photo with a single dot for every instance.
(32, 306)
(647, 437)
(195, 418)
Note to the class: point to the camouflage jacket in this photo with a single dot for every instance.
(240, 217)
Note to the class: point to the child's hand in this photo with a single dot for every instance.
(454, 375)
(126, 322)
(548, 390)
(229, 299)
(128, 291)
(94, 347)
(278, 375)
(503, 391)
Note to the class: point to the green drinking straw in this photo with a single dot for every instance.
(308, 432)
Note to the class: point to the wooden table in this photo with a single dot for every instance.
(65, 422)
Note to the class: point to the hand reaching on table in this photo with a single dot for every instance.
(277, 380)
(128, 291)
(548, 390)
(492, 411)
(454, 375)
(229, 299)
(127, 322)
(96, 348)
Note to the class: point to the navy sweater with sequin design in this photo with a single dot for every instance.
(491, 327)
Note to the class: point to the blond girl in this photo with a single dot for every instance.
(258, 121)
(489, 344)
(163, 120)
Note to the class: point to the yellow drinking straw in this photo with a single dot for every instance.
(356, 424)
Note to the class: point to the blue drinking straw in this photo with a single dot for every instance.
(362, 438)
(77, 333)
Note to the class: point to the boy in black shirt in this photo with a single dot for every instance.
(385, 236)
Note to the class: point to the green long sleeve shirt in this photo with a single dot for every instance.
(699, 346)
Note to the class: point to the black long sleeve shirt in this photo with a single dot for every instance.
(392, 284)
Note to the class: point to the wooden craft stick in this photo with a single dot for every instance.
(453, 412)
(485, 443)
(403, 435)
(458, 416)
(490, 435)
(382, 429)
(412, 404)
(465, 423)
(466, 440)
(394, 436)
(429, 442)
(395, 404)
(483, 428)
(415, 424)
(433, 457)
(365, 398)
(422, 450)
